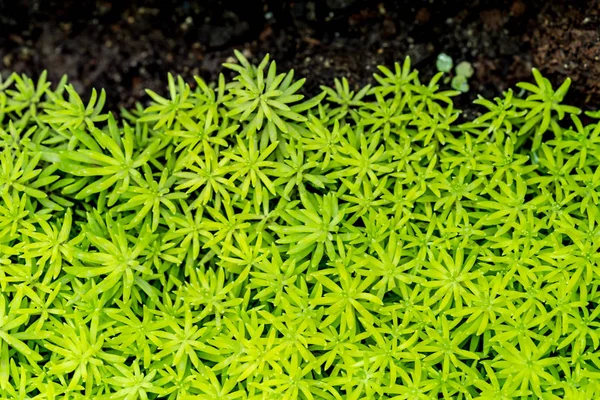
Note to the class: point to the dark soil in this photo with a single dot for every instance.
(566, 42)
(126, 46)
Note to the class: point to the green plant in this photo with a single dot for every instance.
(236, 241)
(462, 72)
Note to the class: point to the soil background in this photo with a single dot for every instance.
(127, 46)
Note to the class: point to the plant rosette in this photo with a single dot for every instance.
(238, 241)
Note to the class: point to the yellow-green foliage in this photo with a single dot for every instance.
(235, 241)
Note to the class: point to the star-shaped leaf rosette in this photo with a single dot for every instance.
(239, 241)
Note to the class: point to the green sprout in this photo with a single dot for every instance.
(462, 72)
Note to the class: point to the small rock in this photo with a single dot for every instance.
(422, 16)
(16, 38)
(339, 4)
(389, 28)
(517, 9)
(265, 33)
(7, 60)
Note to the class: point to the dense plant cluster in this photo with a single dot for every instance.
(234, 241)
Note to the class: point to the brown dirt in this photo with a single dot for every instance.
(126, 46)
(567, 43)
